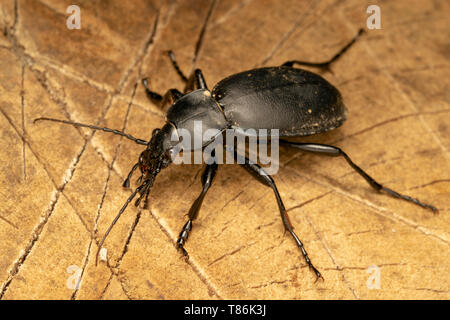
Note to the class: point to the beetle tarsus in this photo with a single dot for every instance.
(207, 178)
(410, 199)
(153, 96)
(335, 151)
(93, 127)
(146, 199)
(130, 198)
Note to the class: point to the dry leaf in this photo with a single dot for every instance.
(61, 186)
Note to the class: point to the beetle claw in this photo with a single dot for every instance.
(318, 274)
(184, 252)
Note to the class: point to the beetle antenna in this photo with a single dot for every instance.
(77, 124)
(138, 189)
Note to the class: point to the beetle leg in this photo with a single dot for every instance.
(144, 185)
(146, 198)
(169, 97)
(78, 124)
(176, 67)
(195, 81)
(207, 179)
(260, 174)
(335, 152)
(325, 65)
(126, 183)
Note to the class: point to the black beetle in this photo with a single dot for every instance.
(292, 100)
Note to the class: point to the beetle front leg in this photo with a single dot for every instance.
(207, 179)
(195, 81)
(325, 65)
(171, 96)
(335, 152)
(260, 174)
(146, 199)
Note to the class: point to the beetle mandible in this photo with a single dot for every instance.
(294, 101)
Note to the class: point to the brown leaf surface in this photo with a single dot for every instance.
(60, 185)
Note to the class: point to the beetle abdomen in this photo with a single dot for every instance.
(295, 101)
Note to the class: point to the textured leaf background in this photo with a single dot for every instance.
(60, 186)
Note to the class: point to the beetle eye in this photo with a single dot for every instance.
(155, 131)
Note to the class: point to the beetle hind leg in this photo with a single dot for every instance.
(326, 64)
(335, 152)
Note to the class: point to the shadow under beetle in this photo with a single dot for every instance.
(292, 100)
